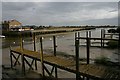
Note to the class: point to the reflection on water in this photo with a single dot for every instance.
(65, 43)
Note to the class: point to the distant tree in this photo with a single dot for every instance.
(5, 25)
(118, 30)
(111, 31)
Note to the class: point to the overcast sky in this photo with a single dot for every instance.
(61, 13)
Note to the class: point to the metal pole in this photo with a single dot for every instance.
(77, 57)
(54, 44)
(41, 56)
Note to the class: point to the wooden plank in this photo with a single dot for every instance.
(113, 76)
(108, 76)
(85, 70)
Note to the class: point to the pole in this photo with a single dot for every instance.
(21, 41)
(54, 44)
(77, 57)
(88, 50)
(34, 41)
(101, 37)
(119, 50)
(23, 64)
(11, 58)
(41, 56)
(90, 37)
(88, 47)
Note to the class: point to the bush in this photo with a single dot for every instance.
(118, 30)
(102, 60)
(112, 31)
(112, 44)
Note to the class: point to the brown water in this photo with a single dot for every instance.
(65, 43)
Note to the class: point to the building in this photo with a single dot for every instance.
(14, 24)
(11, 25)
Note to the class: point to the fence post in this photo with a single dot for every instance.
(21, 41)
(77, 56)
(119, 50)
(34, 41)
(41, 56)
(101, 38)
(54, 44)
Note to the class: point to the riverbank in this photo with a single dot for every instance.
(42, 31)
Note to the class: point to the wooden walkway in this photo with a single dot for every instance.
(85, 70)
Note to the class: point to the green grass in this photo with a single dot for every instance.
(112, 44)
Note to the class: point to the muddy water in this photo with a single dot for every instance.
(65, 44)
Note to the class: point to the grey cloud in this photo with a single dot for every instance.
(56, 13)
(17, 5)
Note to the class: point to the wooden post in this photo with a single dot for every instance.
(101, 37)
(23, 64)
(11, 59)
(89, 37)
(35, 49)
(88, 50)
(119, 50)
(88, 47)
(41, 56)
(34, 41)
(77, 57)
(21, 42)
(54, 44)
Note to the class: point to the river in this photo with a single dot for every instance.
(65, 45)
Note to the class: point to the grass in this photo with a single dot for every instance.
(112, 44)
(105, 62)
(101, 60)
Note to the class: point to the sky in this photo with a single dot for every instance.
(61, 13)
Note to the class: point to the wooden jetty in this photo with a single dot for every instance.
(82, 71)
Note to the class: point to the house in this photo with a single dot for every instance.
(11, 25)
(14, 24)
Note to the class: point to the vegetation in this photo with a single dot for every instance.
(112, 44)
(106, 62)
(114, 30)
(102, 60)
